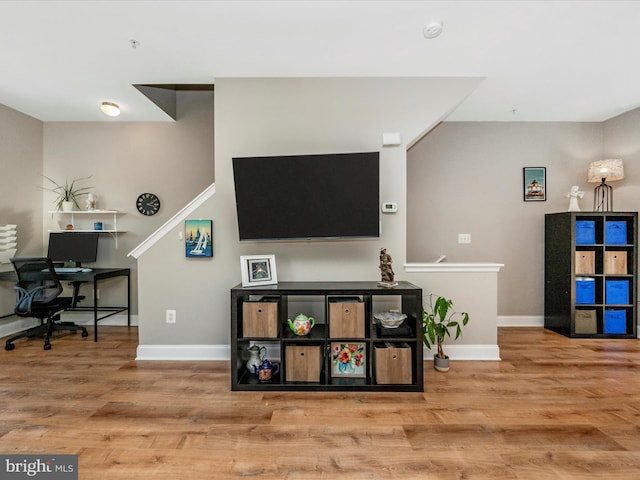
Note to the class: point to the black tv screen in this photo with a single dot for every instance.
(308, 196)
(74, 247)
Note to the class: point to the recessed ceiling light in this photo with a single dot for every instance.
(110, 109)
(433, 29)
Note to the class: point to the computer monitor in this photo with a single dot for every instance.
(74, 247)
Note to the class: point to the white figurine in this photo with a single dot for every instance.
(573, 196)
(91, 202)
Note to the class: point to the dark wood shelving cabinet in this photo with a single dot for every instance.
(591, 278)
(387, 359)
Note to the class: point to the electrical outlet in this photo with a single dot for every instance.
(171, 316)
(464, 238)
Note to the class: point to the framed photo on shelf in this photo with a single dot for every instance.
(534, 184)
(198, 238)
(258, 270)
(348, 359)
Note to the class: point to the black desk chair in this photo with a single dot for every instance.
(38, 295)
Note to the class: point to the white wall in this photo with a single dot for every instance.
(289, 116)
(466, 177)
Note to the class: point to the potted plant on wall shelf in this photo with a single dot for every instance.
(438, 318)
(68, 194)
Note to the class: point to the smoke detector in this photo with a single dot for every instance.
(433, 29)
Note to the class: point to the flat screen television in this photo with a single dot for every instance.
(298, 197)
(76, 247)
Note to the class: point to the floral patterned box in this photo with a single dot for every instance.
(348, 359)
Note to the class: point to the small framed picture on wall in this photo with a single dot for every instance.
(198, 238)
(534, 184)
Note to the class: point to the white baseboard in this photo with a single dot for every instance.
(521, 321)
(16, 324)
(13, 325)
(223, 352)
(86, 318)
(467, 352)
(183, 352)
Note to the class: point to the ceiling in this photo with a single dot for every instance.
(540, 60)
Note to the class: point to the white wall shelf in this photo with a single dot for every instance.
(83, 213)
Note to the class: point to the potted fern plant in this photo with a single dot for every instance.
(438, 320)
(68, 193)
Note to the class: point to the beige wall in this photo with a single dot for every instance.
(466, 177)
(445, 181)
(171, 159)
(622, 140)
(20, 178)
(287, 116)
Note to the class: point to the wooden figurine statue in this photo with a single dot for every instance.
(387, 276)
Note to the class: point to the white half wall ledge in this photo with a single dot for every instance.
(476, 284)
(443, 267)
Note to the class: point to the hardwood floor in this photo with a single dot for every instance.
(553, 408)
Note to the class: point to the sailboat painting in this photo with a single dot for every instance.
(198, 238)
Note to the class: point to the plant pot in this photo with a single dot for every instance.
(441, 364)
(67, 206)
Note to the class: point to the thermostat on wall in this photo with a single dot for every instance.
(389, 207)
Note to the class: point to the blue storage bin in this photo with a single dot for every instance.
(585, 232)
(585, 290)
(615, 233)
(615, 321)
(616, 292)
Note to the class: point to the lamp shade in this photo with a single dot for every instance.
(610, 169)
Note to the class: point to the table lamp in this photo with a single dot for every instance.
(610, 170)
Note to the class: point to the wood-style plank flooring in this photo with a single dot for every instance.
(553, 408)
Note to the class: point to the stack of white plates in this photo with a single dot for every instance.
(8, 242)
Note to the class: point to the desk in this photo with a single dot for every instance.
(95, 276)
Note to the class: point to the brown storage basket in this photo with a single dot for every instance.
(393, 364)
(585, 263)
(260, 319)
(615, 263)
(303, 363)
(346, 319)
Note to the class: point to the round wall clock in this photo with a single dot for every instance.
(148, 204)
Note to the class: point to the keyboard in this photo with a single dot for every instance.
(67, 269)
